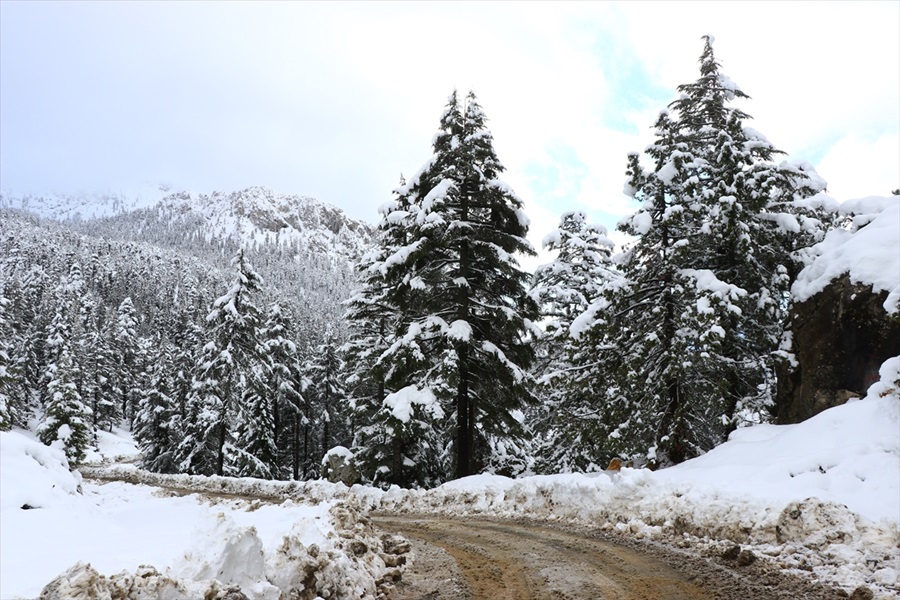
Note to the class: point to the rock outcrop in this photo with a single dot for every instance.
(845, 314)
(841, 336)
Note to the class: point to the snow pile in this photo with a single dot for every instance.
(121, 537)
(401, 402)
(34, 475)
(868, 251)
(116, 446)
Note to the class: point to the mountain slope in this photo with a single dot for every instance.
(304, 249)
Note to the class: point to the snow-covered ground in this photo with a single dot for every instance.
(51, 520)
(821, 497)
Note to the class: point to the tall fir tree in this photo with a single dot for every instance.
(461, 297)
(229, 370)
(157, 422)
(8, 368)
(67, 418)
(285, 385)
(749, 229)
(129, 363)
(699, 318)
(325, 391)
(404, 447)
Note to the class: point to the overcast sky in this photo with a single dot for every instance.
(336, 100)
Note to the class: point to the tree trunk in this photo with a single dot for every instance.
(464, 424)
(295, 448)
(463, 441)
(276, 420)
(220, 459)
(305, 449)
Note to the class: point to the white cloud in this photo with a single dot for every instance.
(857, 167)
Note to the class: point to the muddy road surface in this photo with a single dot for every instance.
(504, 560)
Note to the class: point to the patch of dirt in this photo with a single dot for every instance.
(519, 560)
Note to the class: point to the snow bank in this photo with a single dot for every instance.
(114, 446)
(33, 475)
(849, 454)
(183, 543)
(869, 251)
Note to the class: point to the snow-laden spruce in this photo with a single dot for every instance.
(445, 304)
(568, 291)
(687, 343)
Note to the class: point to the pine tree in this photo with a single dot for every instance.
(8, 368)
(230, 370)
(104, 394)
(464, 312)
(699, 318)
(285, 386)
(570, 292)
(157, 423)
(404, 447)
(67, 419)
(128, 359)
(31, 355)
(326, 392)
(255, 452)
(749, 228)
(186, 339)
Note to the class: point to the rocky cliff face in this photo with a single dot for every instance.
(841, 336)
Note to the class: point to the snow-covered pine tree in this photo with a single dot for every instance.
(186, 339)
(31, 325)
(157, 422)
(569, 291)
(255, 452)
(750, 227)
(699, 317)
(566, 287)
(465, 311)
(228, 368)
(285, 386)
(402, 446)
(8, 368)
(658, 402)
(129, 363)
(325, 391)
(66, 419)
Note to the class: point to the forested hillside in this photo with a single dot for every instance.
(105, 320)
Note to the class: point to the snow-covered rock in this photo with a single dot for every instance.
(868, 250)
(844, 310)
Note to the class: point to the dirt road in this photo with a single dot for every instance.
(471, 558)
(482, 559)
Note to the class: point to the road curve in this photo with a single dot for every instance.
(463, 558)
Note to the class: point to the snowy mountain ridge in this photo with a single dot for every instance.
(84, 205)
(249, 216)
(260, 215)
